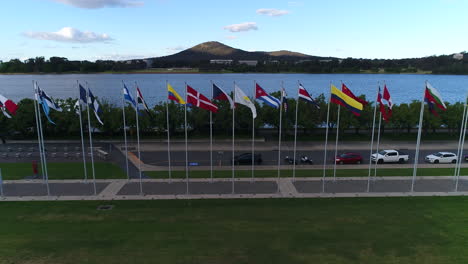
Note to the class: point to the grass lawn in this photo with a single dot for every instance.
(65, 170)
(425, 230)
(309, 173)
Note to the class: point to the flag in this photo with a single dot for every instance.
(173, 95)
(340, 98)
(94, 104)
(199, 100)
(241, 98)
(284, 100)
(8, 104)
(48, 100)
(83, 96)
(382, 107)
(40, 100)
(304, 95)
(2, 107)
(140, 100)
(128, 97)
(348, 92)
(432, 98)
(266, 98)
(388, 99)
(76, 106)
(220, 94)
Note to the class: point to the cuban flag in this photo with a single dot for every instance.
(266, 98)
(128, 97)
(220, 94)
(94, 104)
(305, 96)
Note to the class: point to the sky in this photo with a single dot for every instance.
(128, 29)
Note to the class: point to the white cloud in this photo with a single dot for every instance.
(69, 34)
(175, 49)
(242, 27)
(93, 4)
(272, 12)
(231, 37)
(116, 56)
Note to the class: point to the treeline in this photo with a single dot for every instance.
(310, 121)
(63, 65)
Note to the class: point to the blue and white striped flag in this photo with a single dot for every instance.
(266, 98)
(128, 97)
(94, 104)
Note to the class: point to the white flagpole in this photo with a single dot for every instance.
(253, 136)
(90, 139)
(211, 138)
(186, 145)
(378, 143)
(295, 134)
(462, 126)
(82, 137)
(461, 150)
(38, 132)
(418, 142)
(125, 131)
(168, 140)
(233, 129)
(138, 140)
(336, 142)
(326, 143)
(372, 139)
(279, 137)
(41, 139)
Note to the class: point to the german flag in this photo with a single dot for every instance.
(340, 98)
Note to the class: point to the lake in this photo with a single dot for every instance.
(403, 88)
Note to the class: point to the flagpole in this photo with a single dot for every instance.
(168, 140)
(233, 129)
(372, 140)
(326, 143)
(462, 126)
(279, 137)
(378, 143)
(461, 150)
(38, 132)
(45, 175)
(90, 139)
(186, 145)
(82, 137)
(125, 131)
(295, 135)
(253, 136)
(138, 140)
(336, 142)
(418, 142)
(211, 138)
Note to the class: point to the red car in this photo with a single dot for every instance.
(349, 158)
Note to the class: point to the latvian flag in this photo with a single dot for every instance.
(266, 98)
(432, 97)
(8, 104)
(305, 96)
(220, 94)
(199, 100)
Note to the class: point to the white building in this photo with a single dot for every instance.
(249, 62)
(221, 62)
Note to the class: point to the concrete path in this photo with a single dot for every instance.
(24, 190)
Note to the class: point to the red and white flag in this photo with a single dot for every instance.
(386, 97)
(382, 110)
(8, 104)
(199, 100)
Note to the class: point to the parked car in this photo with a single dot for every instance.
(441, 157)
(246, 159)
(303, 160)
(390, 156)
(349, 158)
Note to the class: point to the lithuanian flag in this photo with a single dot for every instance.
(340, 98)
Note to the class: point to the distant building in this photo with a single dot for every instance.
(458, 56)
(148, 62)
(221, 62)
(249, 62)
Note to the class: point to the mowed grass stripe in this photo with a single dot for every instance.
(354, 230)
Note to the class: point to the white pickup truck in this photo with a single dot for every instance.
(389, 156)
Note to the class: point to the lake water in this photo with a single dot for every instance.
(403, 88)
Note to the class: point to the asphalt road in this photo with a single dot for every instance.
(202, 158)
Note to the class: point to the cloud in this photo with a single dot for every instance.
(272, 12)
(231, 37)
(117, 56)
(175, 49)
(242, 27)
(69, 34)
(94, 4)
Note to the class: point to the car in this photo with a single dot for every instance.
(246, 159)
(349, 158)
(441, 157)
(390, 156)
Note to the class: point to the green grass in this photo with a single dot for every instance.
(308, 173)
(65, 170)
(429, 230)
